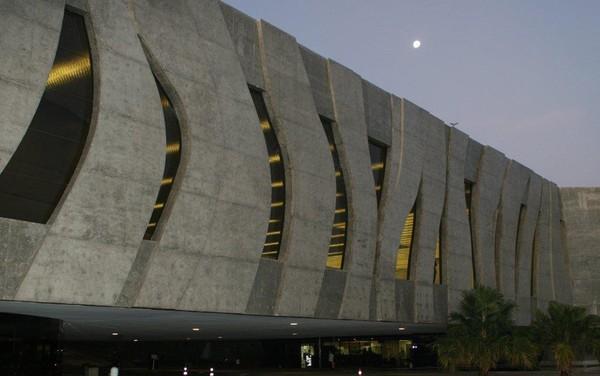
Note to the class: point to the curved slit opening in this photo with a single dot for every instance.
(42, 167)
(404, 252)
(339, 229)
(378, 153)
(272, 244)
(172, 159)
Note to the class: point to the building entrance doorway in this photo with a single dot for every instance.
(307, 355)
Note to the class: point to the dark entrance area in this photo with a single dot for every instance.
(29, 346)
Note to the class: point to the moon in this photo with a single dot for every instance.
(417, 44)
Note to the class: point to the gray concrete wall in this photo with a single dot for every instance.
(543, 289)
(310, 175)
(403, 176)
(484, 213)
(456, 236)
(317, 69)
(352, 139)
(430, 204)
(525, 253)
(244, 34)
(581, 214)
(30, 31)
(514, 190)
(95, 234)
(210, 247)
(207, 252)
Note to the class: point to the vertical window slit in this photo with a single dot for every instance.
(522, 213)
(378, 153)
(339, 230)
(272, 243)
(437, 266)
(403, 254)
(172, 159)
(43, 164)
(534, 257)
(468, 201)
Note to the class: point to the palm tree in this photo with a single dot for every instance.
(567, 331)
(482, 333)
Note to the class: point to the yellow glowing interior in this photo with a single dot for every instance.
(334, 261)
(63, 73)
(403, 253)
(173, 148)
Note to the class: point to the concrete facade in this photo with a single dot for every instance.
(581, 236)
(207, 252)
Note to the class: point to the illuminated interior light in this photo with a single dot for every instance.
(338, 236)
(270, 253)
(377, 166)
(339, 211)
(173, 148)
(277, 184)
(160, 205)
(338, 173)
(63, 73)
(273, 233)
(166, 181)
(337, 245)
(377, 187)
(274, 220)
(271, 244)
(151, 224)
(404, 250)
(274, 158)
(277, 204)
(264, 125)
(339, 194)
(164, 102)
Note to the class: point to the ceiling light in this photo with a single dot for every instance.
(115, 333)
(294, 334)
(402, 328)
(135, 340)
(220, 337)
(196, 329)
(294, 324)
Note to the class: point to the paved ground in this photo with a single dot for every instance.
(327, 372)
